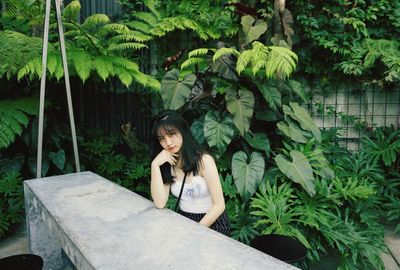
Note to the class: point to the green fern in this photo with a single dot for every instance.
(274, 207)
(16, 50)
(272, 59)
(383, 148)
(128, 46)
(96, 46)
(199, 52)
(353, 188)
(11, 201)
(388, 51)
(224, 51)
(14, 117)
(72, 10)
(155, 24)
(192, 62)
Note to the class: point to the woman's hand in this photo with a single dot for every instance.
(163, 157)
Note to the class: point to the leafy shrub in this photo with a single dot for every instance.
(111, 158)
(11, 201)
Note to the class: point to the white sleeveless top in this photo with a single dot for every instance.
(196, 197)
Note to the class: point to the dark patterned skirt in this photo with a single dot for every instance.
(221, 225)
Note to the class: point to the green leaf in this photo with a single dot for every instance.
(271, 94)
(298, 171)
(224, 51)
(240, 104)
(32, 166)
(253, 29)
(268, 115)
(83, 63)
(303, 117)
(298, 88)
(58, 159)
(292, 132)
(247, 173)
(174, 93)
(258, 141)
(218, 131)
(197, 129)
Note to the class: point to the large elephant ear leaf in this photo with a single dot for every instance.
(197, 129)
(292, 131)
(174, 92)
(240, 104)
(303, 118)
(298, 88)
(259, 141)
(271, 94)
(253, 29)
(218, 131)
(299, 170)
(247, 173)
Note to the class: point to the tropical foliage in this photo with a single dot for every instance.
(245, 97)
(97, 45)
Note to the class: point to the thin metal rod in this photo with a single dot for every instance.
(42, 90)
(67, 85)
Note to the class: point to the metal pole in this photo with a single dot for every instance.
(67, 84)
(43, 86)
(42, 90)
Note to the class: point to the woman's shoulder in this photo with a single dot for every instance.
(207, 163)
(206, 158)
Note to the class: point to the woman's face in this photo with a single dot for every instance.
(170, 139)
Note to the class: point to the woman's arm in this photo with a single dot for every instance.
(159, 190)
(210, 173)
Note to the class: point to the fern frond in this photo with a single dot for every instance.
(151, 6)
(190, 24)
(273, 59)
(112, 28)
(192, 62)
(96, 19)
(131, 36)
(386, 50)
(124, 63)
(16, 50)
(153, 84)
(13, 117)
(82, 62)
(52, 61)
(32, 68)
(168, 25)
(72, 10)
(147, 17)
(139, 26)
(123, 75)
(157, 31)
(225, 51)
(126, 47)
(103, 66)
(243, 60)
(72, 33)
(198, 52)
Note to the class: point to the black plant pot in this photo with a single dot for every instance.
(281, 247)
(22, 262)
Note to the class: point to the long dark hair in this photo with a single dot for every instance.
(190, 153)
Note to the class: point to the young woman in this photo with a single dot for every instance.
(177, 159)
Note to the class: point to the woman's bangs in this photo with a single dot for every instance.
(164, 127)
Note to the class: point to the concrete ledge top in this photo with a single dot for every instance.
(114, 228)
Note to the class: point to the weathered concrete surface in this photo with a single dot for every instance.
(392, 241)
(101, 225)
(14, 244)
